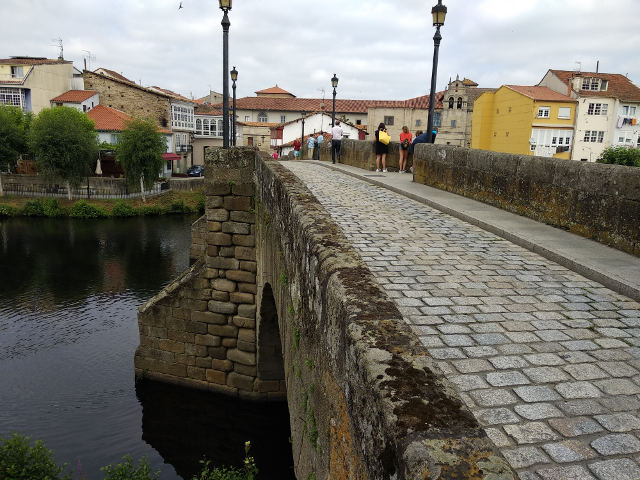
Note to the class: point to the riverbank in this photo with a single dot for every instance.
(170, 202)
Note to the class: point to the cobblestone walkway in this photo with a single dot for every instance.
(548, 361)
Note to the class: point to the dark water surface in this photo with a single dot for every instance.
(69, 294)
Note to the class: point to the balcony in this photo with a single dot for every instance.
(183, 148)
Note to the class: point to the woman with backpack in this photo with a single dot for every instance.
(382, 147)
(405, 141)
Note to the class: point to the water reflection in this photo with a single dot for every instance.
(69, 294)
(186, 425)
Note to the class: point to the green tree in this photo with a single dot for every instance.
(14, 127)
(140, 149)
(19, 460)
(65, 145)
(621, 156)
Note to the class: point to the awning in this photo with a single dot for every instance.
(171, 156)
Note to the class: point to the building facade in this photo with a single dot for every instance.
(81, 100)
(526, 120)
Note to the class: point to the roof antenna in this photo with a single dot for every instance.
(59, 45)
(88, 59)
(579, 66)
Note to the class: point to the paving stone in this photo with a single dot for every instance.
(544, 359)
(617, 386)
(581, 407)
(621, 403)
(446, 353)
(537, 411)
(619, 422)
(496, 416)
(505, 362)
(522, 457)
(501, 379)
(574, 472)
(514, 349)
(490, 338)
(618, 369)
(576, 426)
(472, 365)
(578, 390)
(569, 451)
(531, 432)
(617, 469)
(468, 382)
(457, 340)
(536, 393)
(498, 437)
(585, 371)
(545, 374)
(616, 444)
(528, 475)
(478, 352)
(493, 397)
(552, 335)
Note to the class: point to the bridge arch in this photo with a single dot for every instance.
(269, 346)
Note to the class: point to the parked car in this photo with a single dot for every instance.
(196, 171)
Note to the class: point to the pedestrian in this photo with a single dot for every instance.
(420, 138)
(319, 141)
(296, 148)
(381, 149)
(274, 155)
(405, 141)
(336, 140)
(311, 143)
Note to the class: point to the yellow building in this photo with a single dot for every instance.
(524, 120)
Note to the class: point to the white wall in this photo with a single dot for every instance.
(313, 124)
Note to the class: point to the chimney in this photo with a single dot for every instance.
(597, 66)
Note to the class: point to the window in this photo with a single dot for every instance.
(358, 122)
(600, 137)
(177, 139)
(283, 118)
(16, 72)
(246, 118)
(84, 108)
(12, 96)
(182, 117)
(597, 109)
(632, 111)
(437, 119)
(451, 100)
(625, 138)
(453, 124)
(205, 126)
(459, 104)
(418, 123)
(564, 112)
(114, 139)
(625, 110)
(593, 84)
(184, 139)
(532, 147)
(388, 120)
(262, 117)
(594, 136)
(198, 127)
(543, 112)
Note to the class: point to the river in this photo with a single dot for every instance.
(69, 294)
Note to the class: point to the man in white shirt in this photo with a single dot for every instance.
(336, 139)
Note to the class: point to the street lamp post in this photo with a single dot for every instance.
(302, 114)
(334, 84)
(234, 77)
(439, 12)
(225, 6)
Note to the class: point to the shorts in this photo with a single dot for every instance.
(381, 148)
(296, 153)
(404, 147)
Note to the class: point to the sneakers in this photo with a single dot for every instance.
(377, 169)
(384, 171)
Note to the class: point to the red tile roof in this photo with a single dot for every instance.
(109, 119)
(540, 93)
(469, 83)
(260, 124)
(30, 61)
(274, 90)
(111, 73)
(74, 96)
(202, 109)
(618, 86)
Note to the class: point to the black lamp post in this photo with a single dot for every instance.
(302, 114)
(439, 11)
(334, 84)
(234, 77)
(225, 6)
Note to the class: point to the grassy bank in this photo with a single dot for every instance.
(167, 203)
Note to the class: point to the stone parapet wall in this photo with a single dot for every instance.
(362, 154)
(365, 399)
(198, 239)
(597, 201)
(201, 330)
(186, 184)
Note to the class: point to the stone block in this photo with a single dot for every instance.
(247, 335)
(222, 365)
(223, 263)
(211, 272)
(203, 362)
(241, 297)
(224, 284)
(220, 239)
(217, 188)
(229, 342)
(172, 346)
(196, 350)
(227, 251)
(197, 373)
(248, 266)
(208, 340)
(216, 376)
(214, 201)
(224, 330)
(245, 253)
(243, 189)
(246, 346)
(245, 358)
(242, 204)
(245, 217)
(245, 370)
(242, 382)
(248, 288)
(236, 228)
(240, 276)
(247, 311)
(177, 370)
(244, 322)
(209, 318)
(267, 385)
(222, 307)
(213, 226)
(217, 215)
(180, 336)
(244, 240)
(219, 353)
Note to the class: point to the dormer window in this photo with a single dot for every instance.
(594, 84)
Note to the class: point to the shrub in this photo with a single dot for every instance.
(52, 208)
(123, 209)
(621, 156)
(7, 211)
(179, 207)
(200, 205)
(248, 471)
(19, 460)
(81, 209)
(127, 471)
(149, 210)
(33, 208)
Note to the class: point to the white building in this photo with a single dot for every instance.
(81, 100)
(608, 111)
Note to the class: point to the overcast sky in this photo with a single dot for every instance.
(378, 49)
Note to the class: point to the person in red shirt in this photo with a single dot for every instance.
(296, 147)
(405, 141)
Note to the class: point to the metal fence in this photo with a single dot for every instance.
(104, 191)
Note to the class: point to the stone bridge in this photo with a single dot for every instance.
(407, 343)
